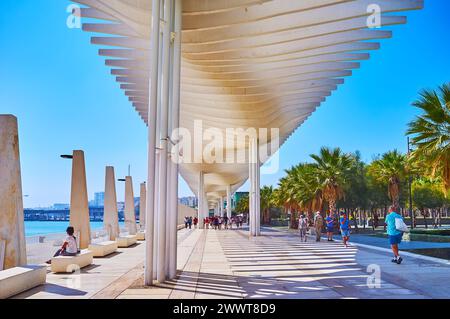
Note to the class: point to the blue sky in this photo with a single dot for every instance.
(64, 98)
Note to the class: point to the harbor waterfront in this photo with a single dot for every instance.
(33, 228)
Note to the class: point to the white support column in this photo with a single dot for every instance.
(142, 205)
(257, 190)
(110, 215)
(79, 206)
(205, 204)
(175, 123)
(129, 214)
(11, 206)
(201, 199)
(152, 115)
(229, 201)
(251, 191)
(169, 204)
(162, 205)
(221, 207)
(254, 194)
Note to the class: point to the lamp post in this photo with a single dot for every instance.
(411, 213)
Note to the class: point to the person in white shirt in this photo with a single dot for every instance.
(302, 227)
(69, 247)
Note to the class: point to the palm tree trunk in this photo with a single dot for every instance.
(332, 205)
(424, 214)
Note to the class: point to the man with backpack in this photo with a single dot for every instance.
(395, 229)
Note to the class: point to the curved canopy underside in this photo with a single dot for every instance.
(245, 63)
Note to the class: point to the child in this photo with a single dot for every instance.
(69, 247)
(345, 228)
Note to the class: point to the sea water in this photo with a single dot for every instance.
(33, 228)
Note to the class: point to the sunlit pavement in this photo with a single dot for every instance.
(230, 264)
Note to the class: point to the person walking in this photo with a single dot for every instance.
(302, 227)
(344, 224)
(186, 222)
(190, 222)
(195, 221)
(329, 223)
(395, 229)
(318, 224)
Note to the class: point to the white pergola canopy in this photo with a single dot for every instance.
(245, 63)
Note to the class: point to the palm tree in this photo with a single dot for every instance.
(298, 191)
(431, 133)
(267, 202)
(242, 205)
(331, 169)
(390, 169)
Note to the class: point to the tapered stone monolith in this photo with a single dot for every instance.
(12, 232)
(110, 215)
(142, 205)
(79, 206)
(130, 218)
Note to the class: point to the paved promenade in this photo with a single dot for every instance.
(229, 264)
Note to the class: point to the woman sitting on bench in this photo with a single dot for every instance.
(69, 247)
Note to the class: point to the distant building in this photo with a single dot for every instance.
(58, 206)
(190, 201)
(46, 214)
(99, 199)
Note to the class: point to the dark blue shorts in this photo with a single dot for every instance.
(330, 229)
(345, 232)
(395, 239)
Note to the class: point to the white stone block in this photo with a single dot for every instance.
(104, 248)
(19, 279)
(69, 264)
(126, 241)
(140, 235)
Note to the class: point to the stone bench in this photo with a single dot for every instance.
(140, 235)
(104, 248)
(126, 241)
(19, 279)
(68, 264)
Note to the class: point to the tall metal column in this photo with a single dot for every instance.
(257, 176)
(251, 209)
(229, 201)
(152, 113)
(158, 146)
(254, 194)
(205, 203)
(161, 264)
(175, 123)
(201, 199)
